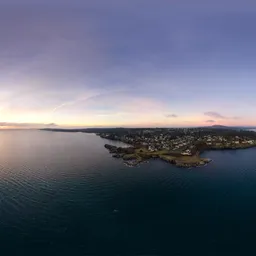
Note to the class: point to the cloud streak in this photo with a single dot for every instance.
(171, 116)
(215, 115)
(26, 125)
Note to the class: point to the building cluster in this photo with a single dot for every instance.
(183, 141)
(220, 140)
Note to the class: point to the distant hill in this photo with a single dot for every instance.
(220, 126)
(232, 127)
(217, 126)
(121, 130)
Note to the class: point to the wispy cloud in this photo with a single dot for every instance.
(51, 124)
(215, 115)
(70, 103)
(210, 121)
(25, 125)
(171, 116)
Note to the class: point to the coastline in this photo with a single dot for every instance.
(185, 150)
(133, 156)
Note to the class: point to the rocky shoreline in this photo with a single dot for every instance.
(133, 156)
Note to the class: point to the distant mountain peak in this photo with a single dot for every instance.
(219, 126)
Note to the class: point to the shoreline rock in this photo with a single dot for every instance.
(133, 156)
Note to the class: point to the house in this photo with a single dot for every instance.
(186, 152)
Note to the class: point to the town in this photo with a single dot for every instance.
(179, 146)
(185, 141)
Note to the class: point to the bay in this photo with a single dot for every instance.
(63, 194)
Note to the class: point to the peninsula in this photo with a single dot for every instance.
(179, 146)
(132, 156)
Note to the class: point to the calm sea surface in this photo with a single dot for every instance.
(63, 194)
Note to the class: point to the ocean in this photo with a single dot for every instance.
(63, 194)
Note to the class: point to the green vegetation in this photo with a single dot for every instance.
(138, 155)
(179, 146)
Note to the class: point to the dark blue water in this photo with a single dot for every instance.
(63, 194)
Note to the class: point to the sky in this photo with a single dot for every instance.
(136, 63)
